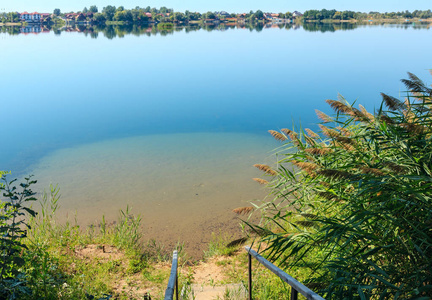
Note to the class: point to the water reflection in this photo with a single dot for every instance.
(119, 31)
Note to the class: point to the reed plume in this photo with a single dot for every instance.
(339, 106)
(344, 140)
(323, 117)
(319, 151)
(391, 102)
(415, 85)
(344, 131)
(407, 112)
(312, 134)
(328, 132)
(346, 146)
(243, 210)
(372, 171)
(260, 181)
(277, 135)
(366, 113)
(358, 115)
(335, 174)
(292, 135)
(266, 169)
(306, 166)
(310, 140)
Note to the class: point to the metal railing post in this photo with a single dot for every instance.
(173, 280)
(294, 294)
(177, 297)
(296, 286)
(250, 276)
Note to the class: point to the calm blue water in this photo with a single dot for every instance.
(75, 109)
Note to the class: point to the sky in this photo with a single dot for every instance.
(213, 5)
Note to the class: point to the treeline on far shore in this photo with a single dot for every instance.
(140, 15)
(333, 14)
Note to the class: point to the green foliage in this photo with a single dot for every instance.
(325, 14)
(220, 244)
(165, 25)
(259, 14)
(93, 9)
(355, 206)
(109, 12)
(13, 230)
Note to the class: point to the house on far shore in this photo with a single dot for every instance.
(297, 14)
(30, 17)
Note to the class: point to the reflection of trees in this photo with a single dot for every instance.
(119, 31)
(11, 30)
(326, 27)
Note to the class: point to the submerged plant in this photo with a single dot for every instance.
(354, 202)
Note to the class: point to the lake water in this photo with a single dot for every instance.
(170, 123)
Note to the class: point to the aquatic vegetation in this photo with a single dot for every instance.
(353, 203)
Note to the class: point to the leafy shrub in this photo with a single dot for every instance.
(12, 232)
(353, 202)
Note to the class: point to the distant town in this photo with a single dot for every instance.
(120, 15)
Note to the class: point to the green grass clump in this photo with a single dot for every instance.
(219, 245)
(52, 260)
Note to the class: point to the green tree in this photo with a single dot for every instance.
(13, 17)
(179, 17)
(123, 15)
(99, 18)
(57, 12)
(210, 15)
(354, 202)
(93, 9)
(109, 12)
(259, 15)
(85, 10)
(288, 15)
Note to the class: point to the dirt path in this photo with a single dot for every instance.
(210, 281)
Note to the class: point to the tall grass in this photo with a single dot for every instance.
(352, 203)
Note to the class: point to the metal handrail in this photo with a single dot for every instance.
(173, 279)
(296, 286)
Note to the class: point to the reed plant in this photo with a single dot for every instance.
(352, 203)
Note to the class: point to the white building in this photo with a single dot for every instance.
(30, 17)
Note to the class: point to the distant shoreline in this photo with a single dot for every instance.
(385, 21)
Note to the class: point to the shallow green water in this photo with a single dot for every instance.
(184, 185)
